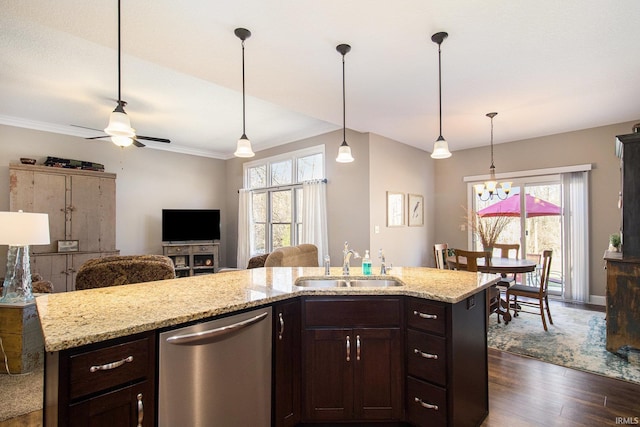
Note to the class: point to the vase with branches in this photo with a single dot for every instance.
(487, 229)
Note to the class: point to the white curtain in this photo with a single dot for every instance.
(576, 236)
(314, 217)
(244, 228)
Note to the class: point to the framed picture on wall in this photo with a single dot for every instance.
(416, 210)
(395, 209)
(68, 245)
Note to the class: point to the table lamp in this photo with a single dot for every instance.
(19, 230)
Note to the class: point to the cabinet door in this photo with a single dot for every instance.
(378, 374)
(92, 208)
(287, 364)
(329, 374)
(128, 406)
(52, 268)
(42, 193)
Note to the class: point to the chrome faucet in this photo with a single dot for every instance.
(347, 253)
(383, 265)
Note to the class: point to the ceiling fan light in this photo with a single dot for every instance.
(122, 141)
(119, 125)
(344, 153)
(243, 148)
(440, 149)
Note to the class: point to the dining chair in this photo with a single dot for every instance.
(533, 277)
(440, 253)
(505, 250)
(471, 264)
(535, 296)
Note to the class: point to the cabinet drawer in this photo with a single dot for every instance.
(100, 369)
(352, 313)
(426, 403)
(426, 357)
(203, 248)
(426, 316)
(176, 250)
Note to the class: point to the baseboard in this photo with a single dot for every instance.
(598, 300)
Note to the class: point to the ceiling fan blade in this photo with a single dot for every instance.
(98, 137)
(151, 138)
(138, 143)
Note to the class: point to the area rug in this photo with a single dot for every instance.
(576, 340)
(21, 394)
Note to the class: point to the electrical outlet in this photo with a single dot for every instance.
(376, 229)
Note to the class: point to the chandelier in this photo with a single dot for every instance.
(490, 188)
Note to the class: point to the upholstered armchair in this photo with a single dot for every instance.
(123, 270)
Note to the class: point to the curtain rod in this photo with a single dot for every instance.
(324, 181)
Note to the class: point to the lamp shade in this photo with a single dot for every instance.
(243, 148)
(119, 125)
(440, 149)
(122, 141)
(23, 229)
(344, 153)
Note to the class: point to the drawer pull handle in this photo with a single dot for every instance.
(140, 410)
(425, 355)
(425, 404)
(357, 347)
(281, 326)
(348, 349)
(425, 316)
(111, 365)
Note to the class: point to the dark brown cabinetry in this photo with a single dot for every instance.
(286, 363)
(446, 353)
(352, 359)
(111, 383)
(630, 193)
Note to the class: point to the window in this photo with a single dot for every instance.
(276, 196)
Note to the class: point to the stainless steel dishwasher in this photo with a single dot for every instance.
(217, 373)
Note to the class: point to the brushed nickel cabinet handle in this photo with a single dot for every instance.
(281, 326)
(348, 349)
(112, 365)
(140, 410)
(425, 355)
(357, 347)
(425, 316)
(425, 404)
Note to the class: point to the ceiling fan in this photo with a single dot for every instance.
(119, 128)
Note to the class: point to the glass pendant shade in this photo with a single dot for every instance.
(119, 124)
(243, 148)
(344, 153)
(440, 149)
(122, 141)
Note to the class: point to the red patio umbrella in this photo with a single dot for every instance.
(511, 207)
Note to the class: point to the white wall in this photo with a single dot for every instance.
(147, 181)
(400, 168)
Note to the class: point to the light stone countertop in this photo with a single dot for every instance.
(72, 319)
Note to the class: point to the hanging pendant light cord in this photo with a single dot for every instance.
(243, 99)
(119, 67)
(440, 86)
(344, 108)
(492, 166)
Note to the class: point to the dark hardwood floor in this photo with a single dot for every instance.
(527, 392)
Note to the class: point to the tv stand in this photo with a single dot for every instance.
(193, 258)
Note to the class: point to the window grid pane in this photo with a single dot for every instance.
(281, 173)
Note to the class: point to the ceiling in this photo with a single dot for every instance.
(545, 66)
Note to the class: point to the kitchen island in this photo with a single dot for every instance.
(86, 319)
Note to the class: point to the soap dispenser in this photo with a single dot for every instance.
(366, 264)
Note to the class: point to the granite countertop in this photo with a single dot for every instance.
(72, 319)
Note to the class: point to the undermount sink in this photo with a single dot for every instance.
(347, 283)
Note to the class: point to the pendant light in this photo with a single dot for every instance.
(491, 188)
(243, 149)
(344, 152)
(440, 147)
(119, 127)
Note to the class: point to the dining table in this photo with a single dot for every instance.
(498, 265)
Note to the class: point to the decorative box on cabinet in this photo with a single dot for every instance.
(353, 359)
(287, 363)
(81, 206)
(110, 383)
(192, 259)
(446, 352)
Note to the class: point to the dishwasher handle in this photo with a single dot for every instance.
(213, 335)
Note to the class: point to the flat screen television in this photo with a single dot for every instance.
(187, 225)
